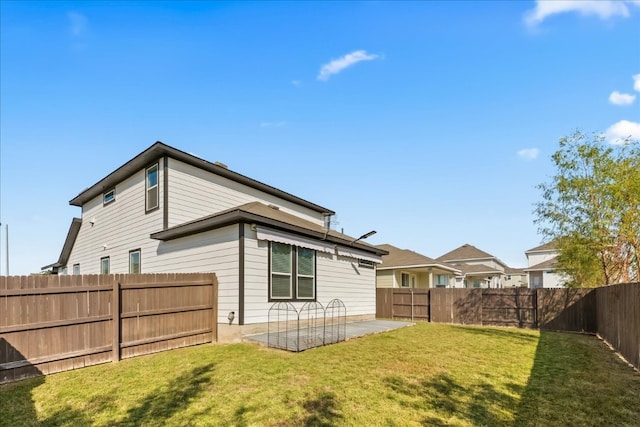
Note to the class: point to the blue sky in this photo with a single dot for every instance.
(430, 122)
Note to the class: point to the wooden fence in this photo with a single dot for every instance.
(57, 323)
(613, 312)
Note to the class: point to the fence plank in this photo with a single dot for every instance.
(56, 323)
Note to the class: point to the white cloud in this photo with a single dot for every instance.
(296, 83)
(337, 65)
(78, 23)
(617, 98)
(529, 153)
(604, 9)
(272, 124)
(636, 82)
(618, 133)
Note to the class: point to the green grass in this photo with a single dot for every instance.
(429, 374)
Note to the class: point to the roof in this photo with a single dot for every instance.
(72, 234)
(464, 252)
(475, 269)
(406, 258)
(550, 246)
(159, 150)
(549, 264)
(259, 213)
(510, 270)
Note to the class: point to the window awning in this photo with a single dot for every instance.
(318, 245)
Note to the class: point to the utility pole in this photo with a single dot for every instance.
(6, 240)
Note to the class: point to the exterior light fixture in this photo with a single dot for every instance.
(231, 316)
(364, 236)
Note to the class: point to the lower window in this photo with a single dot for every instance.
(291, 272)
(134, 262)
(104, 265)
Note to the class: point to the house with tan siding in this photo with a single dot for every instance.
(168, 211)
(479, 269)
(403, 268)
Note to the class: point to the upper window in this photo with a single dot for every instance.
(76, 269)
(109, 196)
(292, 280)
(152, 187)
(134, 262)
(104, 265)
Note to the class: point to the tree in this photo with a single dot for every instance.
(591, 208)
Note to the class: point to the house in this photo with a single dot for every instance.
(403, 268)
(168, 211)
(479, 269)
(542, 262)
(515, 278)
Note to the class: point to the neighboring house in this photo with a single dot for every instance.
(542, 271)
(515, 278)
(479, 269)
(169, 211)
(403, 268)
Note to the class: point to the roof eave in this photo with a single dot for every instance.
(159, 150)
(236, 216)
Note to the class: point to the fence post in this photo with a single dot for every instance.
(116, 319)
(214, 307)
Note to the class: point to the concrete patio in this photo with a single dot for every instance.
(306, 338)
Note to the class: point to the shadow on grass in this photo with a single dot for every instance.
(509, 334)
(444, 396)
(322, 411)
(575, 380)
(153, 409)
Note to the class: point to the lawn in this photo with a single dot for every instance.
(428, 374)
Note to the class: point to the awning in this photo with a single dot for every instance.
(317, 245)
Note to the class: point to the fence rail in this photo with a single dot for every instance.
(56, 323)
(613, 312)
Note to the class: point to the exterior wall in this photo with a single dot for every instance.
(195, 193)
(516, 281)
(384, 279)
(212, 251)
(539, 257)
(341, 277)
(121, 226)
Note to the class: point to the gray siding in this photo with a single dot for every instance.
(120, 226)
(194, 193)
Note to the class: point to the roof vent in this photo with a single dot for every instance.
(222, 165)
(274, 207)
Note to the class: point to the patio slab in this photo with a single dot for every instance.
(352, 330)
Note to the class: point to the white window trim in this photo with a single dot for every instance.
(149, 188)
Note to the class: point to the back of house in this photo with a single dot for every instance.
(168, 211)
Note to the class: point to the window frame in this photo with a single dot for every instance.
(139, 252)
(76, 270)
(108, 261)
(411, 279)
(293, 275)
(148, 188)
(106, 202)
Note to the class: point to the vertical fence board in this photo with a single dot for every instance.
(58, 324)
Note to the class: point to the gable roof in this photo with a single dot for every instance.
(550, 246)
(549, 264)
(406, 258)
(72, 234)
(261, 214)
(464, 253)
(159, 150)
(475, 269)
